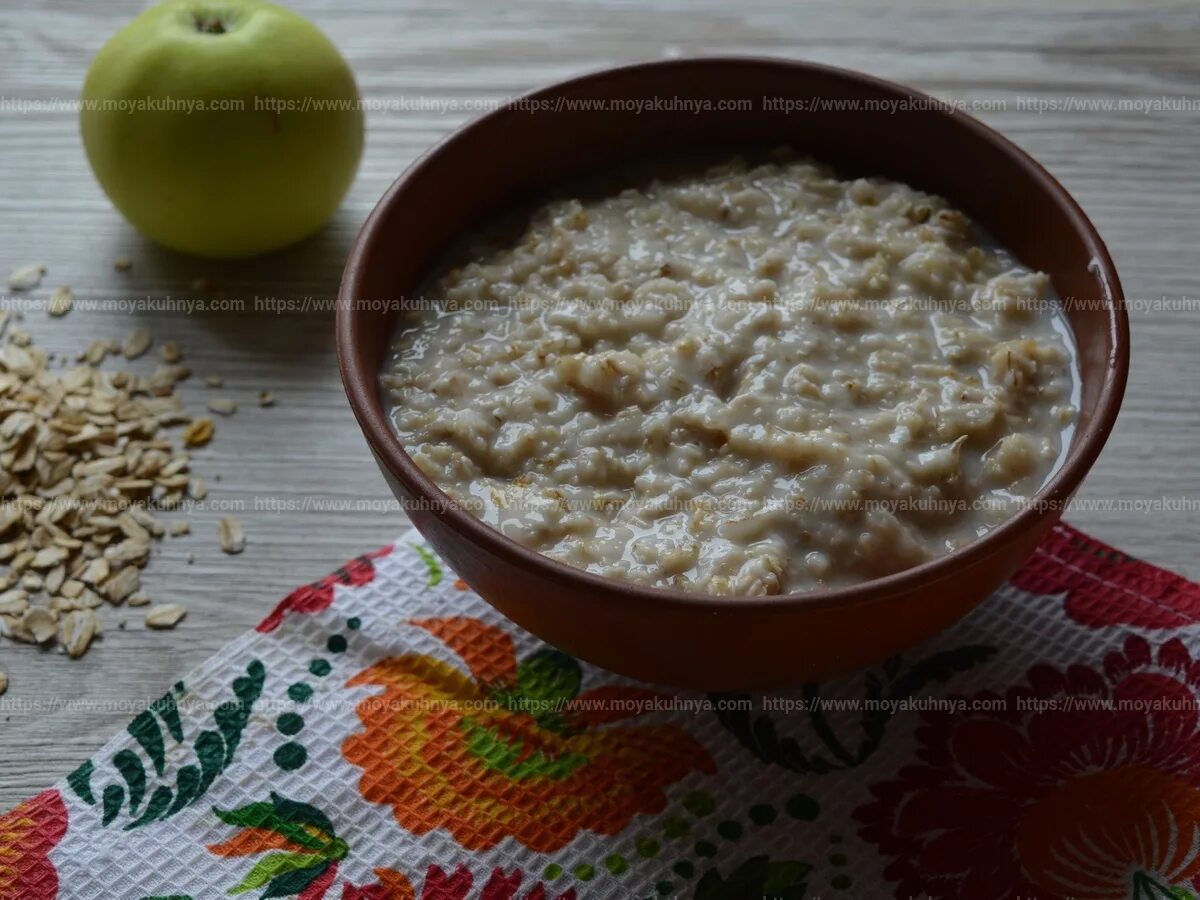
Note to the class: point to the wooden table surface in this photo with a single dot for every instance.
(299, 476)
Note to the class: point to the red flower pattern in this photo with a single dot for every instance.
(318, 596)
(1104, 586)
(455, 885)
(1078, 783)
(27, 835)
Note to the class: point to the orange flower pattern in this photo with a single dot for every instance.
(510, 749)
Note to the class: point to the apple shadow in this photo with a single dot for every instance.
(279, 306)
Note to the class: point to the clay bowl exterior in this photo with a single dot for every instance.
(507, 156)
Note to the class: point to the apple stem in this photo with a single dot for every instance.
(210, 25)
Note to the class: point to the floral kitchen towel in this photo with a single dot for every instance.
(385, 735)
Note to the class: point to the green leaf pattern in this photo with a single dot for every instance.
(213, 750)
(286, 874)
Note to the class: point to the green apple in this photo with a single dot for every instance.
(222, 128)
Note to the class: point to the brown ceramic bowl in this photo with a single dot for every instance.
(507, 156)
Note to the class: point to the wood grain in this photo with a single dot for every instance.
(299, 476)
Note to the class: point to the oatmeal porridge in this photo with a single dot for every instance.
(758, 379)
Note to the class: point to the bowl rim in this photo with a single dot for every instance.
(359, 374)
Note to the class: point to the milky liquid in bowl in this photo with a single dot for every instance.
(754, 379)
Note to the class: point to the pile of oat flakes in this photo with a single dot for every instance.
(88, 464)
